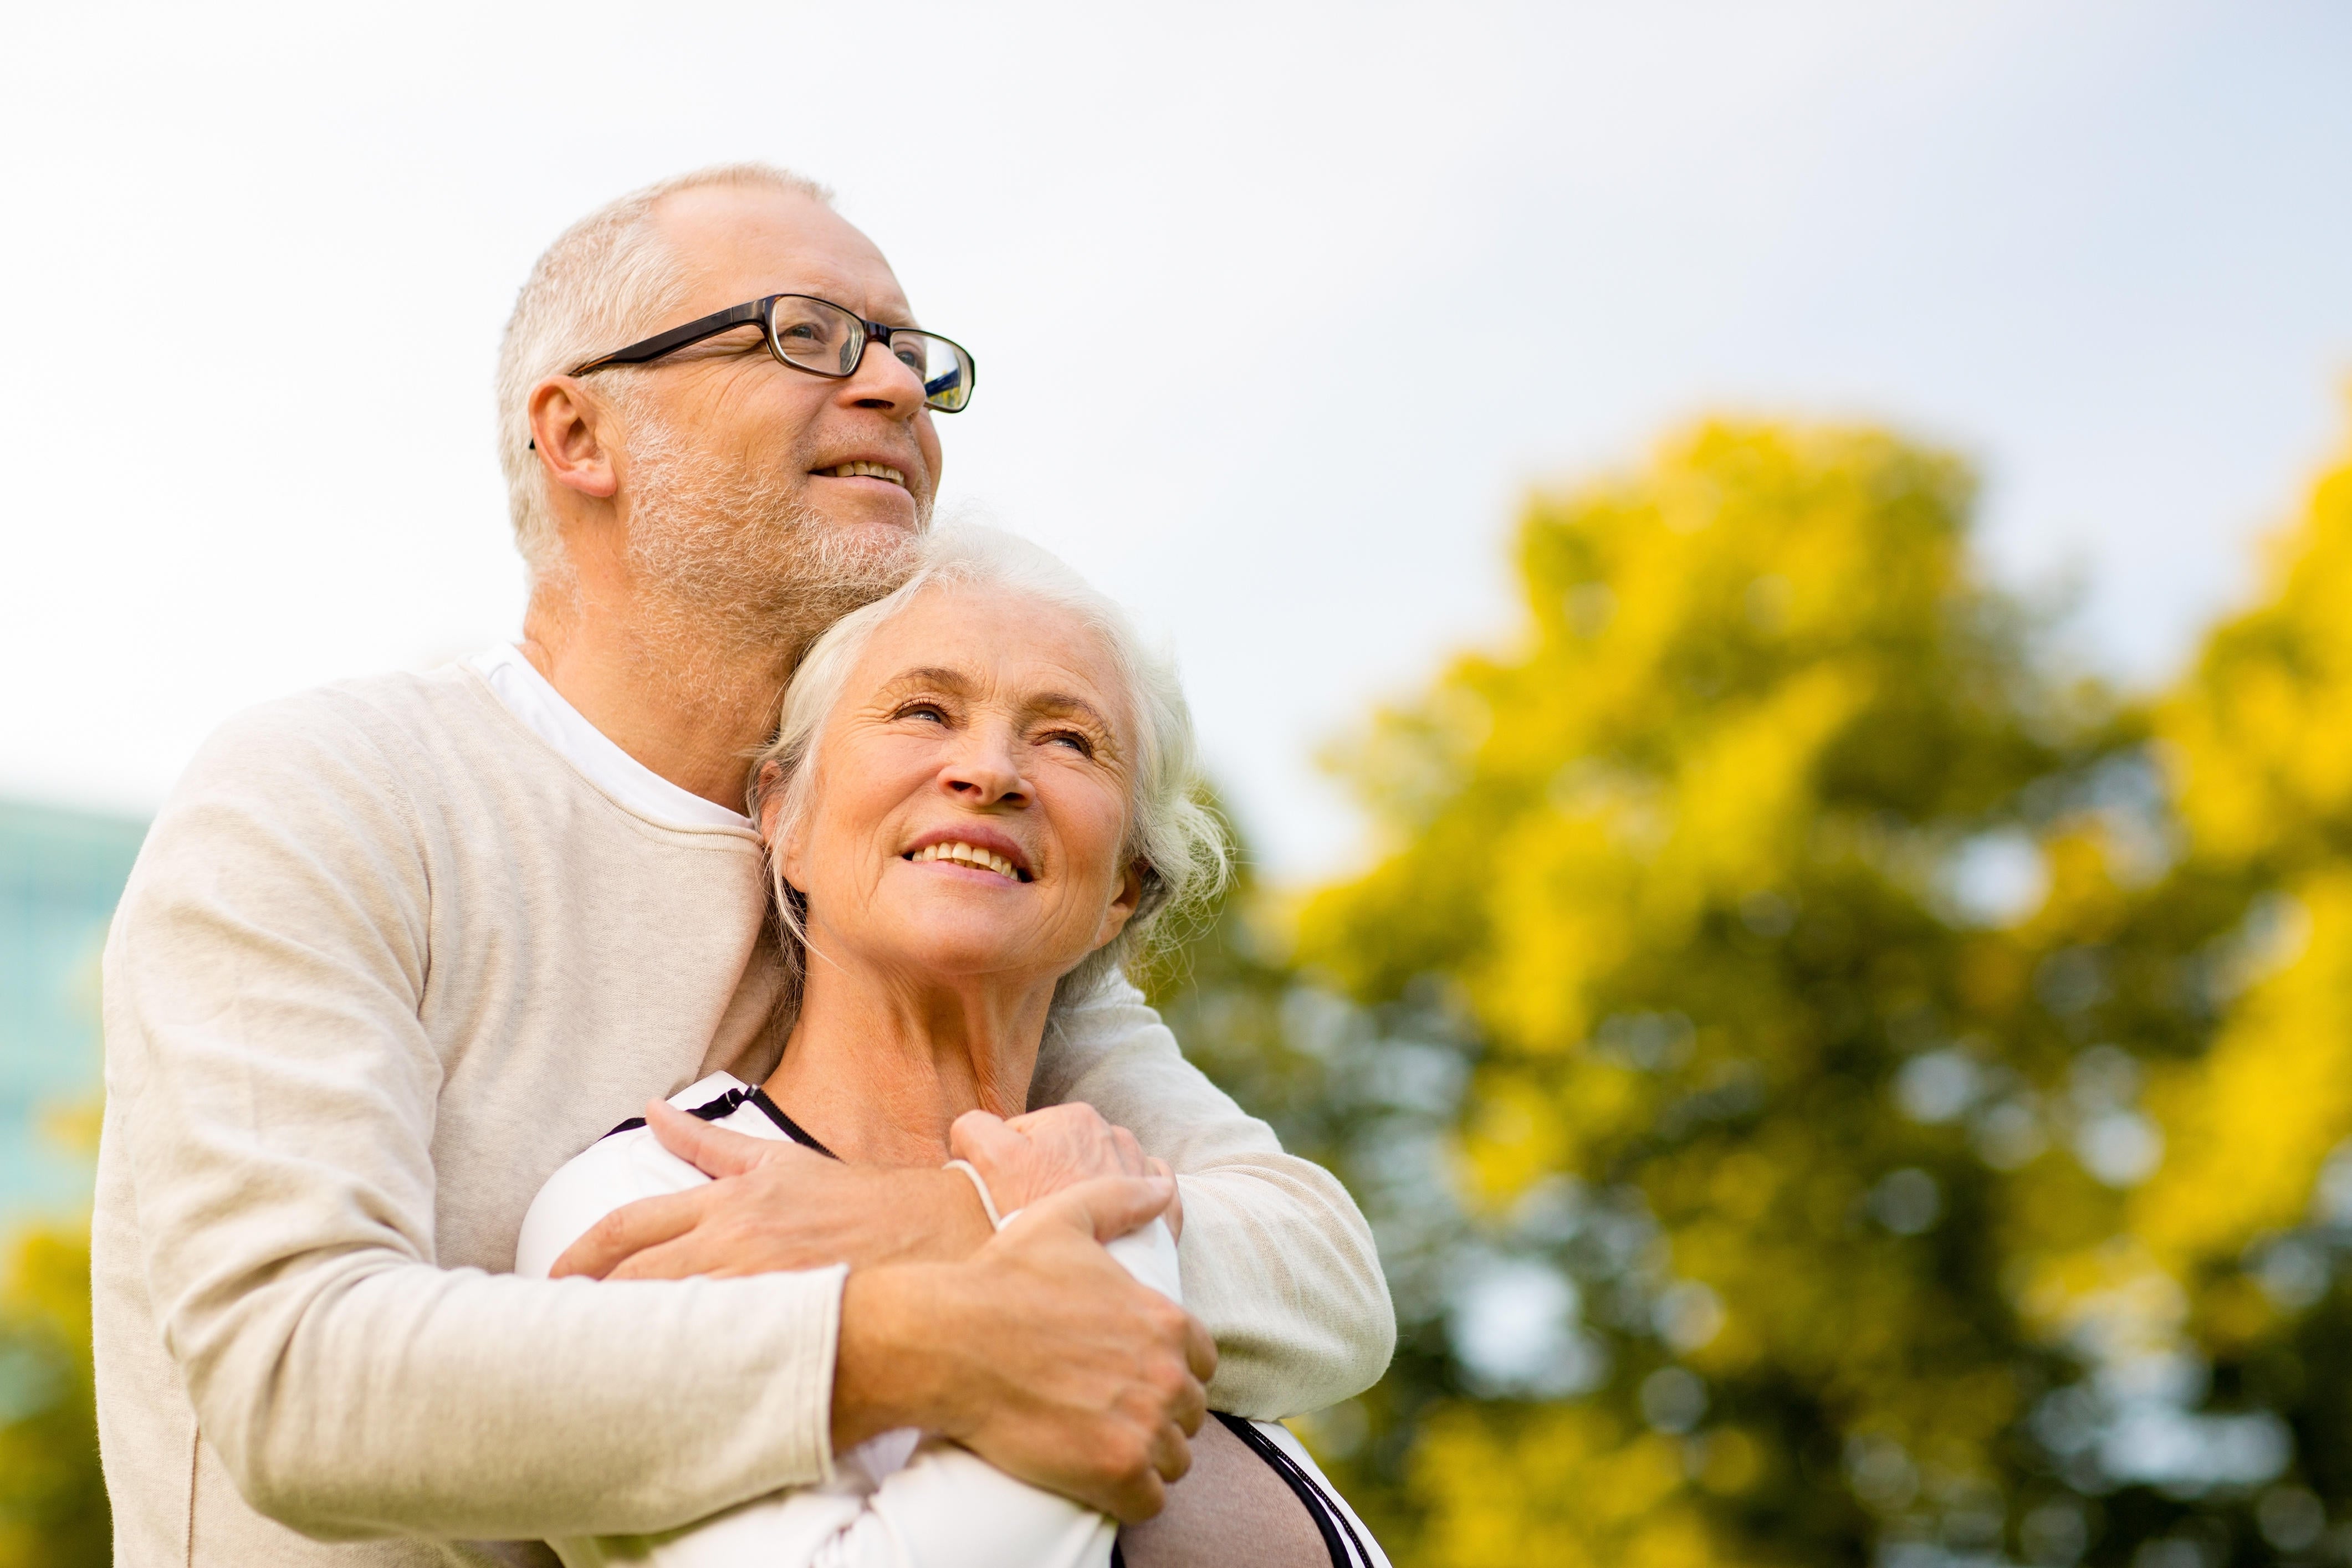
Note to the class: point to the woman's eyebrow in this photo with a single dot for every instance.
(1064, 702)
(931, 676)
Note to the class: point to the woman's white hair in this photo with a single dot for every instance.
(608, 280)
(1172, 834)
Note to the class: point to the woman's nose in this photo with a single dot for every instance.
(986, 774)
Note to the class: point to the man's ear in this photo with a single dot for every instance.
(1123, 902)
(771, 801)
(573, 434)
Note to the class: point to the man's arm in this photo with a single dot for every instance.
(1278, 1262)
(275, 1097)
(1277, 1259)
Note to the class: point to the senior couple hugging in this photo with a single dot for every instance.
(807, 845)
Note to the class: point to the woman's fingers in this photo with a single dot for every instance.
(1106, 1207)
(985, 1139)
(713, 1151)
(630, 1229)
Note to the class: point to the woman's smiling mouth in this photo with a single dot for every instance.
(972, 855)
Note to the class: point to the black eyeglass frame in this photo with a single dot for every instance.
(763, 312)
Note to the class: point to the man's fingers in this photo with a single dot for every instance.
(680, 1259)
(1171, 1456)
(1200, 1354)
(713, 1151)
(1139, 1499)
(630, 1229)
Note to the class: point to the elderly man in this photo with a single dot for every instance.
(397, 948)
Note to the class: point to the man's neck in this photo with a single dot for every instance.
(879, 1068)
(690, 702)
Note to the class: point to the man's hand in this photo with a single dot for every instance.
(1038, 1352)
(775, 1205)
(1034, 1155)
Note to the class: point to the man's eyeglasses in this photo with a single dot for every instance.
(822, 339)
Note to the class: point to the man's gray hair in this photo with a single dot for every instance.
(608, 280)
(1170, 831)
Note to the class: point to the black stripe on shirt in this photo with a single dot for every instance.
(726, 1104)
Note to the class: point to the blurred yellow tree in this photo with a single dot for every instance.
(2259, 739)
(1831, 1084)
(1709, 864)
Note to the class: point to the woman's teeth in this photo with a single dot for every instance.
(869, 471)
(971, 855)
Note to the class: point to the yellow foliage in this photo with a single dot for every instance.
(2260, 734)
(2259, 738)
(53, 1511)
(1840, 1162)
(2249, 1124)
(1677, 852)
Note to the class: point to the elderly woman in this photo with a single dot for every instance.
(980, 802)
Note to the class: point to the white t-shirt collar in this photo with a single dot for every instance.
(543, 711)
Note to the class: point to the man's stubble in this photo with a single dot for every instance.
(734, 572)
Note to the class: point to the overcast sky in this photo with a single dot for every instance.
(259, 261)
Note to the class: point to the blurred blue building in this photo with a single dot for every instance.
(60, 874)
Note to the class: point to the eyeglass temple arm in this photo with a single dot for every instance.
(678, 338)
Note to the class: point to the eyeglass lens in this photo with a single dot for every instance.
(828, 340)
(817, 336)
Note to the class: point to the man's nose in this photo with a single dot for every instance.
(884, 382)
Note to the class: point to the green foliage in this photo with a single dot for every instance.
(53, 1509)
(1760, 1178)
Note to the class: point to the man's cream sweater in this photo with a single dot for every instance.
(386, 961)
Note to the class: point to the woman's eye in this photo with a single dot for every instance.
(1073, 739)
(924, 710)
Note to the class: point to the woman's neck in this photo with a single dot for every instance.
(879, 1067)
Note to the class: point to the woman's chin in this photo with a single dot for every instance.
(962, 945)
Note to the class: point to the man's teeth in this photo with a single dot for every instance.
(967, 855)
(869, 471)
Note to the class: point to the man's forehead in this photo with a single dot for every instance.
(743, 242)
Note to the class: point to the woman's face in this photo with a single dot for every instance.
(970, 799)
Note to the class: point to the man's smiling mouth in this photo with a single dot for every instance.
(866, 471)
(971, 855)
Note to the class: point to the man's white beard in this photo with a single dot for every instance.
(728, 561)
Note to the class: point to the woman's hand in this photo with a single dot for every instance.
(1039, 1154)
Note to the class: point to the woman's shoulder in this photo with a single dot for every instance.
(623, 1166)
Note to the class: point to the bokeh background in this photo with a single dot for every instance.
(1764, 583)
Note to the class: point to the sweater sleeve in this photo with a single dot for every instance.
(1278, 1262)
(274, 1096)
